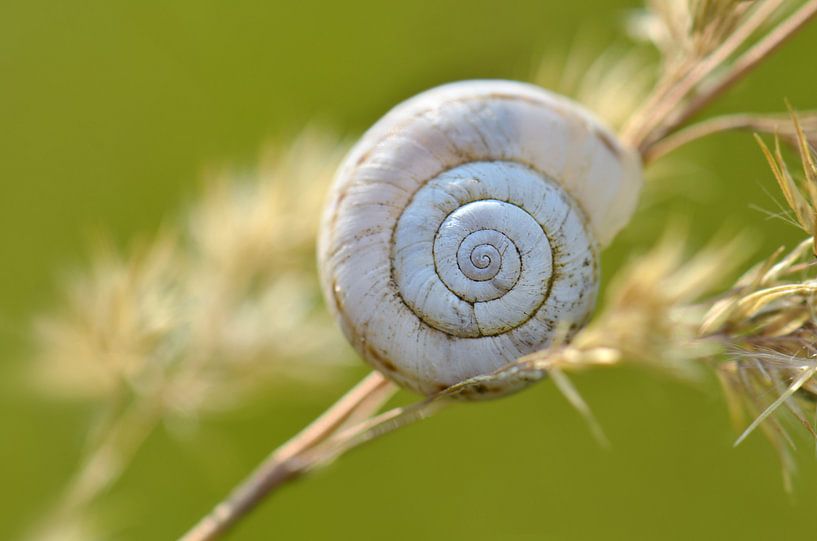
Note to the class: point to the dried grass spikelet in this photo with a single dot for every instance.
(684, 30)
(203, 314)
(111, 320)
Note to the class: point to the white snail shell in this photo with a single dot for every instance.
(463, 230)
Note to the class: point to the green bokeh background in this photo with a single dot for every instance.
(109, 113)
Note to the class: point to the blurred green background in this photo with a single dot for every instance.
(109, 113)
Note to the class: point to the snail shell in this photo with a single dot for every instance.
(463, 230)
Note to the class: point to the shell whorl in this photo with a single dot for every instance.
(464, 228)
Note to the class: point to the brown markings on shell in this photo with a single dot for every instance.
(365, 156)
(484, 391)
(609, 143)
(377, 359)
(336, 296)
(346, 325)
(370, 353)
(333, 221)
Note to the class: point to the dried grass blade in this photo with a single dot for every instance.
(804, 377)
(575, 399)
(753, 303)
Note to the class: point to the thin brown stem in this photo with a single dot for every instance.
(294, 457)
(778, 124)
(362, 400)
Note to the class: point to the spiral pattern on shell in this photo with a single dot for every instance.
(473, 253)
(463, 230)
